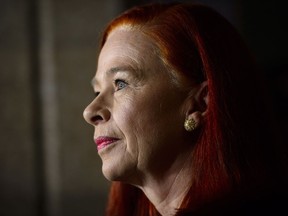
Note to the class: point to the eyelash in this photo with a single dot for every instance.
(117, 81)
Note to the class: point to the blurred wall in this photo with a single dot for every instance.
(17, 183)
(48, 162)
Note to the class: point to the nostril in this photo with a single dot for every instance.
(96, 119)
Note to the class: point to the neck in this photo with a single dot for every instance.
(166, 192)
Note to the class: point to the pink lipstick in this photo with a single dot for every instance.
(103, 141)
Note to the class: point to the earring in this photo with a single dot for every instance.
(190, 124)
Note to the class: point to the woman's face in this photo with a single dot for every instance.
(137, 112)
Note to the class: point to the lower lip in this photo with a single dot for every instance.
(103, 142)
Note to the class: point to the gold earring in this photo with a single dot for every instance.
(190, 124)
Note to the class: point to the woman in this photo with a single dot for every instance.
(180, 124)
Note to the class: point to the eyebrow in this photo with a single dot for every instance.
(114, 70)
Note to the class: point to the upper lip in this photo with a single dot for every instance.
(104, 139)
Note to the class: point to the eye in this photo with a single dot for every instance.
(120, 84)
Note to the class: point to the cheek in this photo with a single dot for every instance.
(135, 118)
(132, 111)
(127, 117)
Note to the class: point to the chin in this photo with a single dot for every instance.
(111, 176)
(118, 173)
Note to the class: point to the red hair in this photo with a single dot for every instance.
(198, 44)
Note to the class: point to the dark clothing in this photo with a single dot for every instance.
(274, 206)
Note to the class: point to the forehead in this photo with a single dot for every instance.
(127, 46)
(130, 38)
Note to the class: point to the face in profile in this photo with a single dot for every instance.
(137, 111)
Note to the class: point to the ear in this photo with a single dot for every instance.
(197, 103)
(202, 98)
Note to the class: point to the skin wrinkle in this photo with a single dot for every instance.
(170, 198)
(170, 192)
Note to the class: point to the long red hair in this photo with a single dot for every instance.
(198, 44)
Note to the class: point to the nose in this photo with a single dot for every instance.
(96, 112)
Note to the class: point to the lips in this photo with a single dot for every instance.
(103, 141)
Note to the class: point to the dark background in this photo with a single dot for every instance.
(48, 162)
